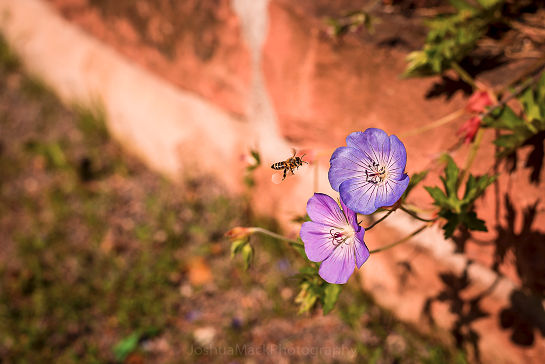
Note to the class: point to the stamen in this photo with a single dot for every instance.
(338, 237)
(375, 174)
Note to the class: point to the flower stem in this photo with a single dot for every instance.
(437, 123)
(408, 237)
(292, 242)
(471, 156)
(463, 74)
(379, 220)
(413, 214)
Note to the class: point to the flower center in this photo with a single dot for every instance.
(341, 236)
(376, 173)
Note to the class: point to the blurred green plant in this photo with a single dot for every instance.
(452, 36)
(455, 210)
(517, 128)
(314, 289)
(350, 22)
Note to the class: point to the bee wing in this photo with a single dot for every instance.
(278, 176)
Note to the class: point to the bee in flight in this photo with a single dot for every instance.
(289, 164)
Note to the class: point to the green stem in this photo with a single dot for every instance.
(463, 74)
(408, 237)
(413, 214)
(276, 236)
(379, 220)
(437, 123)
(471, 156)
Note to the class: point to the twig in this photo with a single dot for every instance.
(277, 236)
(514, 94)
(444, 120)
(414, 215)
(471, 156)
(408, 237)
(463, 74)
(379, 220)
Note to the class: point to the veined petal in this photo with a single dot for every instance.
(372, 142)
(351, 216)
(360, 249)
(323, 209)
(339, 266)
(398, 158)
(359, 195)
(391, 191)
(317, 239)
(346, 163)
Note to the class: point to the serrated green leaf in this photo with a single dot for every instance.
(331, 295)
(476, 187)
(451, 177)
(471, 221)
(531, 108)
(506, 119)
(438, 196)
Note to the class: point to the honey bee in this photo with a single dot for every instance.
(289, 164)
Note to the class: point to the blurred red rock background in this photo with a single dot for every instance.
(274, 71)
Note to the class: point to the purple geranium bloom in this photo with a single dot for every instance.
(334, 238)
(370, 171)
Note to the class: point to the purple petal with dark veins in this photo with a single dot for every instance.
(398, 158)
(339, 266)
(359, 195)
(323, 209)
(373, 142)
(317, 239)
(346, 163)
(351, 215)
(360, 249)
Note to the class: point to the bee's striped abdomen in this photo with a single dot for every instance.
(279, 165)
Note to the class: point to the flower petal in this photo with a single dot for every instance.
(351, 215)
(325, 210)
(372, 142)
(346, 163)
(360, 249)
(317, 240)
(391, 191)
(397, 159)
(339, 266)
(359, 195)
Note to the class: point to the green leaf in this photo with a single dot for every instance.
(471, 221)
(476, 187)
(453, 220)
(126, 346)
(247, 255)
(331, 295)
(237, 245)
(462, 5)
(505, 118)
(307, 297)
(451, 177)
(438, 196)
(531, 108)
(489, 3)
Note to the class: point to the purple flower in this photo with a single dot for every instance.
(334, 238)
(370, 171)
